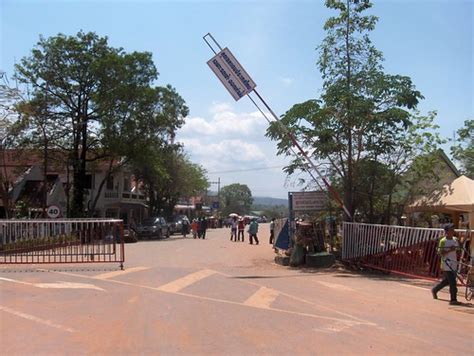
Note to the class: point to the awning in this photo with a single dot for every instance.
(456, 196)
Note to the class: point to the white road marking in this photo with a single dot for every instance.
(36, 319)
(262, 298)
(14, 281)
(336, 286)
(315, 316)
(58, 285)
(317, 305)
(68, 285)
(186, 281)
(410, 286)
(120, 273)
(352, 321)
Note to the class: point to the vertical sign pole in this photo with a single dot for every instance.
(291, 219)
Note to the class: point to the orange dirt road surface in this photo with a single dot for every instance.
(184, 296)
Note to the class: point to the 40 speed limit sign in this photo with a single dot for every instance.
(53, 211)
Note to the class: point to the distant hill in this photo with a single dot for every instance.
(263, 201)
(266, 201)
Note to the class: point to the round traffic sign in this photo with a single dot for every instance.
(53, 211)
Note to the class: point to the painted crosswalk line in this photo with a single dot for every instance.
(120, 273)
(186, 281)
(55, 285)
(262, 298)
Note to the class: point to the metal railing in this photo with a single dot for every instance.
(61, 241)
(405, 250)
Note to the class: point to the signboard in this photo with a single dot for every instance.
(229, 71)
(53, 211)
(215, 205)
(306, 201)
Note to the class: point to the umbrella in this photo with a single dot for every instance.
(231, 215)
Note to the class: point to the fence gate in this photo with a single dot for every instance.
(400, 249)
(61, 241)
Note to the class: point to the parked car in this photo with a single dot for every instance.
(154, 227)
(176, 226)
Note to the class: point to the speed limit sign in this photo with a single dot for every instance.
(53, 211)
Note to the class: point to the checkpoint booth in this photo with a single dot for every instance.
(300, 236)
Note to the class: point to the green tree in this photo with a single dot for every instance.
(168, 175)
(235, 198)
(463, 148)
(146, 130)
(93, 87)
(362, 112)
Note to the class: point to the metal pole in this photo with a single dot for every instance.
(300, 149)
(290, 135)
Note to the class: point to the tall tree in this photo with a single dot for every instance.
(362, 110)
(94, 86)
(236, 198)
(463, 148)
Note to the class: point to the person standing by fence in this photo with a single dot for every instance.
(272, 231)
(447, 248)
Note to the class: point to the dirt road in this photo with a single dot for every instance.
(216, 297)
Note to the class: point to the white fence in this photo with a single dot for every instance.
(61, 241)
(406, 250)
(361, 240)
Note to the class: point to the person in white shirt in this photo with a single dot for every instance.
(447, 248)
(233, 229)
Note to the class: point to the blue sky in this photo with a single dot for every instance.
(430, 41)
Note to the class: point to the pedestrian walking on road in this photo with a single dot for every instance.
(241, 228)
(184, 228)
(199, 229)
(204, 224)
(272, 231)
(194, 227)
(233, 229)
(253, 230)
(447, 248)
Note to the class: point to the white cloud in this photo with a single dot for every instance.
(226, 123)
(232, 146)
(286, 81)
(224, 154)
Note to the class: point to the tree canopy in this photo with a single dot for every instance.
(463, 148)
(96, 102)
(363, 115)
(235, 198)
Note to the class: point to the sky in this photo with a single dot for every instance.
(430, 41)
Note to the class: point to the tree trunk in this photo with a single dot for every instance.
(4, 185)
(101, 186)
(80, 151)
(45, 175)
